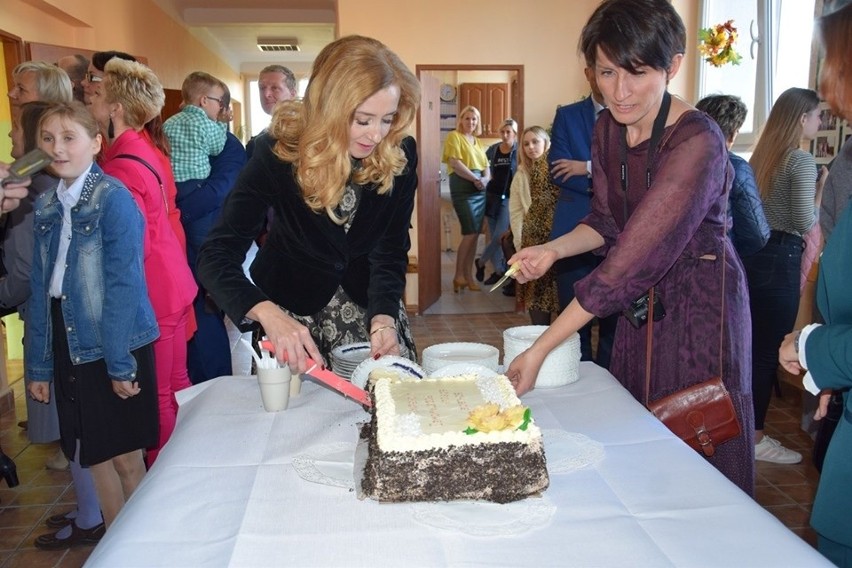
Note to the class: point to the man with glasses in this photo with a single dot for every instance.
(205, 158)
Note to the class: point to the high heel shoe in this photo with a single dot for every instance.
(8, 470)
(473, 287)
(459, 285)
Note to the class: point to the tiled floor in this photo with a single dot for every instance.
(785, 491)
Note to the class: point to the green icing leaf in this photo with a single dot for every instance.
(527, 419)
(470, 431)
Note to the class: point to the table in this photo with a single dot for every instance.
(223, 493)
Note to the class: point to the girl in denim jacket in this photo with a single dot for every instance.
(92, 326)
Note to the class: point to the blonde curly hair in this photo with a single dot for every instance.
(313, 134)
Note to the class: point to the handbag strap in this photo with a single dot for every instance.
(650, 331)
(153, 171)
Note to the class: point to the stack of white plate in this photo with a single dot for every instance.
(390, 362)
(443, 354)
(344, 358)
(560, 367)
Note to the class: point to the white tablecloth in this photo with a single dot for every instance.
(223, 493)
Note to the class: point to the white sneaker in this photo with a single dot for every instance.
(770, 450)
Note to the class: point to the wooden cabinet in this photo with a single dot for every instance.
(493, 101)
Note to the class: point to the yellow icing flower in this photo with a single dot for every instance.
(489, 418)
(716, 44)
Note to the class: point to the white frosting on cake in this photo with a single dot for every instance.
(432, 413)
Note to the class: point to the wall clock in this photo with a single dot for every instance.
(448, 92)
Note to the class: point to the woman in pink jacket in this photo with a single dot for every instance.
(128, 97)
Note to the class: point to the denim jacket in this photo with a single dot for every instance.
(104, 297)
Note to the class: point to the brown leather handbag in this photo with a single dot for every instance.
(702, 415)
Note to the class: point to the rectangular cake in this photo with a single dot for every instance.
(458, 438)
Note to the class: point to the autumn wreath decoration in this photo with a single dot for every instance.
(716, 44)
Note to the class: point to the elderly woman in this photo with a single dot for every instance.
(470, 173)
(128, 97)
(153, 130)
(659, 214)
(339, 174)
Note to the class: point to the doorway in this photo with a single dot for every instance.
(436, 227)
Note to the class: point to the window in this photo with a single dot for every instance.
(259, 119)
(775, 44)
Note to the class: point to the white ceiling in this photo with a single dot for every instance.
(230, 28)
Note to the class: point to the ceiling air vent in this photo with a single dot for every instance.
(278, 44)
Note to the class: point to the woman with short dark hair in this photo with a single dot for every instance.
(659, 215)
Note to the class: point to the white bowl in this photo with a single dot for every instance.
(559, 368)
(442, 354)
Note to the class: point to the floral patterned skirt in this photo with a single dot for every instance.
(342, 322)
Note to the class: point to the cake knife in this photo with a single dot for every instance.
(509, 273)
(331, 379)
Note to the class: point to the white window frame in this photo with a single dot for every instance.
(759, 36)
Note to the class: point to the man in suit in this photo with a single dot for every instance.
(275, 83)
(571, 171)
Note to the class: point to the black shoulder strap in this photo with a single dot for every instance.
(153, 171)
(144, 163)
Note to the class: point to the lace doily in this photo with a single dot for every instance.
(330, 464)
(570, 451)
(482, 518)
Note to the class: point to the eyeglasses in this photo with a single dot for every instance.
(92, 78)
(214, 99)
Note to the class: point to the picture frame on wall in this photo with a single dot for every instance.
(830, 136)
(825, 147)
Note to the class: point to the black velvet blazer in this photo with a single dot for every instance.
(306, 256)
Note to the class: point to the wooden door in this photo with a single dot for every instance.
(429, 193)
(499, 108)
(493, 102)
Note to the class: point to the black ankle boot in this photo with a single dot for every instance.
(8, 470)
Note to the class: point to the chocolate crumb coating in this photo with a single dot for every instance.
(501, 472)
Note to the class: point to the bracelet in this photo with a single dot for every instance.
(796, 341)
(378, 329)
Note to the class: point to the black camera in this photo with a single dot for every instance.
(637, 313)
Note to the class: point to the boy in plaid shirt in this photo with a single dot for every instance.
(194, 133)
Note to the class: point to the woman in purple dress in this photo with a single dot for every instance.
(671, 164)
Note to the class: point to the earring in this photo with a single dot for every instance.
(110, 129)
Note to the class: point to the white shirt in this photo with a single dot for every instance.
(68, 197)
(808, 381)
(598, 108)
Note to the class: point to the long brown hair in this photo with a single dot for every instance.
(781, 134)
(313, 134)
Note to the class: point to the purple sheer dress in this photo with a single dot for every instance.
(674, 239)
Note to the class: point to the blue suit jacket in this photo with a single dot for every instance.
(571, 138)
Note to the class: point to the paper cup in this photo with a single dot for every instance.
(295, 385)
(274, 388)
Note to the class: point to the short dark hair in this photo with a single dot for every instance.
(99, 59)
(728, 111)
(289, 77)
(634, 33)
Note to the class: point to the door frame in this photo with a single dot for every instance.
(428, 244)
